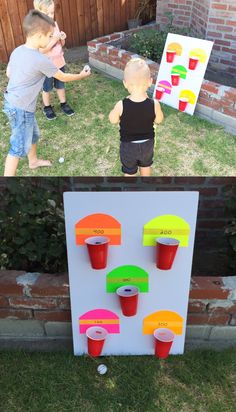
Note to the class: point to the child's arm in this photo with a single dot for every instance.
(50, 45)
(8, 72)
(116, 113)
(70, 77)
(159, 114)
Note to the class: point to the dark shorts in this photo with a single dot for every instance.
(51, 82)
(135, 155)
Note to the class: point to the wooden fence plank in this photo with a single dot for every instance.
(82, 20)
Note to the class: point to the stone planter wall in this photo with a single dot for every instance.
(216, 102)
(35, 312)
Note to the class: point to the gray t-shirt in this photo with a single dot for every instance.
(28, 70)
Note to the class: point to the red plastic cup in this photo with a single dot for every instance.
(170, 55)
(96, 338)
(98, 251)
(166, 249)
(193, 62)
(128, 296)
(159, 93)
(163, 342)
(175, 78)
(183, 102)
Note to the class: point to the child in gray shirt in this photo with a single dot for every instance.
(27, 70)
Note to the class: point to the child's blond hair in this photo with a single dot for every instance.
(137, 67)
(43, 4)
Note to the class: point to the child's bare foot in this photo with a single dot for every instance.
(40, 163)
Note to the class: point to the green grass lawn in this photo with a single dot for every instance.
(201, 381)
(185, 145)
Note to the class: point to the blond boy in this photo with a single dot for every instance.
(137, 115)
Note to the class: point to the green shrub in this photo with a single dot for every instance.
(150, 43)
(32, 227)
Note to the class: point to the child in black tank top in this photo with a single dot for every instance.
(136, 115)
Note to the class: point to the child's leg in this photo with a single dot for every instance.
(128, 157)
(61, 95)
(61, 92)
(145, 171)
(11, 166)
(47, 109)
(46, 98)
(34, 162)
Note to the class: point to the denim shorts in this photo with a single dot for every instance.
(135, 155)
(24, 130)
(51, 82)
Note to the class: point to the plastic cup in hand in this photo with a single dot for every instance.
(98, 251)
(166, 249)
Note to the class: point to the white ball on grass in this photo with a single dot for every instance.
(102, 369)
(61, 160)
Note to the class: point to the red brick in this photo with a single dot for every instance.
(8, 284)
(231, 94)
(51, 285)
(216, 203)
(230, 22)
(230, 37)
(224, 28)
(223, 42)
(196, 306)
(208, 288)
(219, 309)
(64, 303)
(214, 34)
(189, 180)
(103, 39)
(3, 302)
(33, 303)
(54, 316)
(207, 319)
(211, 224)
(211, 87)
(207, 191)
(232, 8)
(15, 314)
(92, 44)
(229, 112)
(217, 21)
(113, 52)
(222, 181)
(219, 6)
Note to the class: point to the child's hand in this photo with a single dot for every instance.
(85, 72)
(57, 37)
(63, 35)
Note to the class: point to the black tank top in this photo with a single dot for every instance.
(137, 120)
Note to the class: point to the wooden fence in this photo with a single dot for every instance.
(82, 20)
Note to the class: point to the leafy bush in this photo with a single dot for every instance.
(150, 43)
(32, 227)
(230, 230)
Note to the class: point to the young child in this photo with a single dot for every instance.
(54, 51)
(27, 70)
(137, 115)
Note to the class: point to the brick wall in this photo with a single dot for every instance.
(216, 102)
(37, 307)
(181, 9)
(211, 245)
(222, 29)
(212, 19)
(200, 10)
